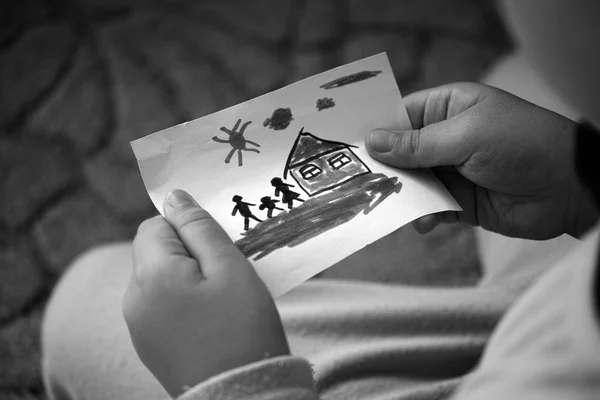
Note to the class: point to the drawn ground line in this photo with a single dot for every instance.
(291, 228)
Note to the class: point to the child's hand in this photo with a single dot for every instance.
(509, 163)
(195, 306)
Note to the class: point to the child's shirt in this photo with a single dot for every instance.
(548, 345)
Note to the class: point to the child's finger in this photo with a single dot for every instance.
(430, 106)
(202, 236)
(427, 223)
(156, 245)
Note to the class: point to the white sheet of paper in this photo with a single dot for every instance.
(296, 244)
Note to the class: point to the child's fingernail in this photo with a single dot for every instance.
(381, 141)
(179, 198)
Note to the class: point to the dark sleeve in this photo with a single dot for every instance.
(587, 163)
(587, 158)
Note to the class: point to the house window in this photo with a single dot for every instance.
(339, 160)
(309, 171)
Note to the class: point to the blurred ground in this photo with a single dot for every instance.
(80, 79)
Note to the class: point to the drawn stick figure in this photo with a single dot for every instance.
(244, 209)
(288, 196)
(268, 203)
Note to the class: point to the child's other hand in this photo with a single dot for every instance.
(507, 162)
(195, 307)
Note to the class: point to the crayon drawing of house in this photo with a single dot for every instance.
(318, 165)
(340, 187)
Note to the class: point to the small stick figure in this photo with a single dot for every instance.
(288, 196)
(244, 209)
(267, 202)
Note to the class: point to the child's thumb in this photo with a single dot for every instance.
(431, 146)
(202, 236)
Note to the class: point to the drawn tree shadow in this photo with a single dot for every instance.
(318, 215)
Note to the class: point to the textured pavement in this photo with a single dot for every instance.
(80, 79)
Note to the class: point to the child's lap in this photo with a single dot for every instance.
(87, 349)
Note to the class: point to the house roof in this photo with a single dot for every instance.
(307, 146)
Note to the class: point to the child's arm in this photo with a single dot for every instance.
(235, 210)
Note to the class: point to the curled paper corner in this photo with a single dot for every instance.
(151, 147)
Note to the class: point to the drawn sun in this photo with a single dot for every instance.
(237, 141)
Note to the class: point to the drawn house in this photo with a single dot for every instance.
(318, 165)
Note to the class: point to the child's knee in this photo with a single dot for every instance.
(85, 308)
(93, 277)
(102, 266)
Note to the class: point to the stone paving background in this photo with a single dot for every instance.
(80, 79)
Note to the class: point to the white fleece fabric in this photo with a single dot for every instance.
(354, 340)
(547, 347)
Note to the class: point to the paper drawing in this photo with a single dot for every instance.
(237, 141)
(339, 184)
(348, 79)
(306, 193)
